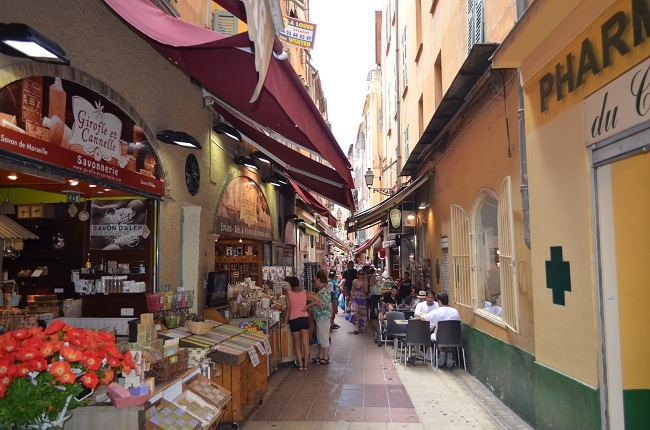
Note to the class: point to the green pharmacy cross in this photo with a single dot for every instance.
(558, 275)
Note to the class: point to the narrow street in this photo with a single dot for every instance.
(362, 388)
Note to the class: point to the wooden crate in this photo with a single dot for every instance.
(209, 390)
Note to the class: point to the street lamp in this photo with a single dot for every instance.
(370, 177)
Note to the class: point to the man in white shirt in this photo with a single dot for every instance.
(427, 303)
(443, 313)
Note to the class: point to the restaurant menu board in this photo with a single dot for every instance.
(62, 123)
(243, 211)
(118, 225)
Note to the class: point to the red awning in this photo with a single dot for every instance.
(310, 174)
(368, 242)
(310, 200)
(225, 66)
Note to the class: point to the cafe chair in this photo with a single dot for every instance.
(449, 335)
(417, 334)
(395, 332)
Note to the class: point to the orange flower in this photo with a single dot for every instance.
(54, 328)
(32, 342)
(20, 334)
(6, 380)
(59, 368)
(26, 354)
(107, 377)
(128, 359)
(91, 360)
(113, 362)
(10, 344)
(67, 378)
(48, 349)
(71, 354)
(105, 337)
(3, 390)
(126, 369)
(112, 351)
(36, 332)
(38, 364)
(89, 379)
(7, 366)
(22, 370)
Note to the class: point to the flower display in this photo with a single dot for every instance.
(43, 372)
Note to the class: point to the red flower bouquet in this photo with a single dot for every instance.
(42, 372)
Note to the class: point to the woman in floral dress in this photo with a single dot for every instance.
(359, 301)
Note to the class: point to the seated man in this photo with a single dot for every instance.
(443, 313)
(404, 285)
(413, 299)
(389, 302)
(427, 303)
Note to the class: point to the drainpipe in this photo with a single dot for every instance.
(523, 166)
(397, 102)
(207, 13)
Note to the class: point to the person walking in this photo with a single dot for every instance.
(336, 292)
(349, 275)
(298, 318)
(322, 317)
(359, 301)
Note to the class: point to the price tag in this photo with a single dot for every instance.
(260, 348)
(267, 346)
(255, 359)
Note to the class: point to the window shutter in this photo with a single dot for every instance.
(470, 25)
(225, 23)
(460, 255)
(507, 260)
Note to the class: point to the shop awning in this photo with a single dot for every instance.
(311, 174)
(368, 243)
(475, 65)
(225, 66)
(10, 229)
(378, 213)
(310, 229)
(327, 231)
(310, 200)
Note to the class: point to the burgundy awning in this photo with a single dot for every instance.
(309, 173)
(368, 242)
(225, 66)
(310, 200)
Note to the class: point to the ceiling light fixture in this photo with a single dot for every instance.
(179, 138)
(20, 40)
(73, 182)
(7, 208)
(271, 180)
(12, 177)
(92, 185)
(221, 127)
(423, 205)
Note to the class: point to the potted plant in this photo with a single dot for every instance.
(44, 373)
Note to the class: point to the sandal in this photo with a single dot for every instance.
(324, 361)
(315, 360)
(304, 368)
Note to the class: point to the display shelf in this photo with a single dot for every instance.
(240, 260)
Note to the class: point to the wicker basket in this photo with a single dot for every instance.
(169, 367)
(198, 327)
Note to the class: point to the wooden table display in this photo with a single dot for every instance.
(246, 382)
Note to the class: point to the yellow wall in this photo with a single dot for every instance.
(631, 209)
(476, 159)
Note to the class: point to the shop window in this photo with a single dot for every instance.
(483, 256)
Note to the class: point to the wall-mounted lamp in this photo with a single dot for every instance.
(423, 205)
(7, 208)
(244, 161)
(259, 155)
(179, 138)
(222, 128)
(20, 40)
(271, 180)
(410, 216)
(370, 177)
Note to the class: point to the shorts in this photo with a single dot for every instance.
(301, 323)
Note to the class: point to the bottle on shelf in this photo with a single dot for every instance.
(88, 263)
(102, 265)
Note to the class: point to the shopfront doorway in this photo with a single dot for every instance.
(623, 203)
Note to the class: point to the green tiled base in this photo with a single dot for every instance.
(508, 372)
(637, 413)
(562, 402)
